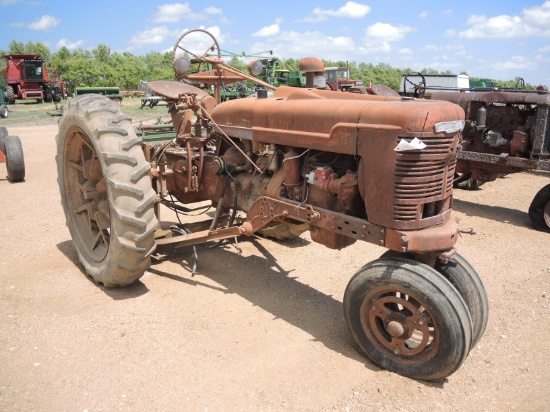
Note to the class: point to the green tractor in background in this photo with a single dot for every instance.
(272, 73)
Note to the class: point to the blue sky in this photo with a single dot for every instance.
(494, 39)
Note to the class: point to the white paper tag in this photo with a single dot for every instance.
(414, 144)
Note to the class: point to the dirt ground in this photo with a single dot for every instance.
(260, 328)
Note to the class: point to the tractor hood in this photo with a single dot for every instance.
(327, 120)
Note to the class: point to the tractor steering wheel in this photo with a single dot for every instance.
(420, 87)
(194, 39)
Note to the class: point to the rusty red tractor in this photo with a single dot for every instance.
(506, 132)
(301, 159)
(26, 77)
(337, 78)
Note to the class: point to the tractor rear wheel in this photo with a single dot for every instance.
(539, 210)
(10, 95)
(56, 94)
(15, 163)
(48, 94)
(106, 190)
(408, 318)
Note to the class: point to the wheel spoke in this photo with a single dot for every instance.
(187, 51)
(99, 239)
(400, 323)
(75, 165)
(209, 48)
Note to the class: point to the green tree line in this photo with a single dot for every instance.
(101, 67)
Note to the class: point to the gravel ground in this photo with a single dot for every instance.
(260, 328)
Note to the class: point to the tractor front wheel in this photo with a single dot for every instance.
(106, 190)
(408, 318)
(467, 282)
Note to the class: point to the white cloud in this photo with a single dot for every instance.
(270, 30)
(266, 31)
(174, 12)
(502, 27)
(171, 13)
(44, 23)
(533, 22)
(423, 15)
(350, 10)
(538, 15)
(213, 10)
(310, 43)
(545, 49)
(65, 43)
(4, 3)
(516, 63)
(152, 36)
(387, 32)
(379, 36)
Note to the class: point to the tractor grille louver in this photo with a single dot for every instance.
(423, 179)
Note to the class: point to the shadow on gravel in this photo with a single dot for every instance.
(502, 214)
(127, 292)
(263, 282)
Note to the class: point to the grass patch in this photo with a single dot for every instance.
(30, 113)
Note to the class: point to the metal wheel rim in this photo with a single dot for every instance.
(86, 195)
(385, 312)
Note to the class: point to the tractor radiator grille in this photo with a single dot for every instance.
(424, 180)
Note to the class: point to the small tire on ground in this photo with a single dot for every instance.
(4, 112)
(408, 318)
(15, 163)
(539, 210)
(3, 135)
(106, 190)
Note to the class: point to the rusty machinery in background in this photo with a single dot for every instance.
(505, 132)
(344, 166)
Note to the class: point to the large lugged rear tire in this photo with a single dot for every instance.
(408, 318)
(106, 190)
(10, 95)
(15, 163)
(539, 210)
